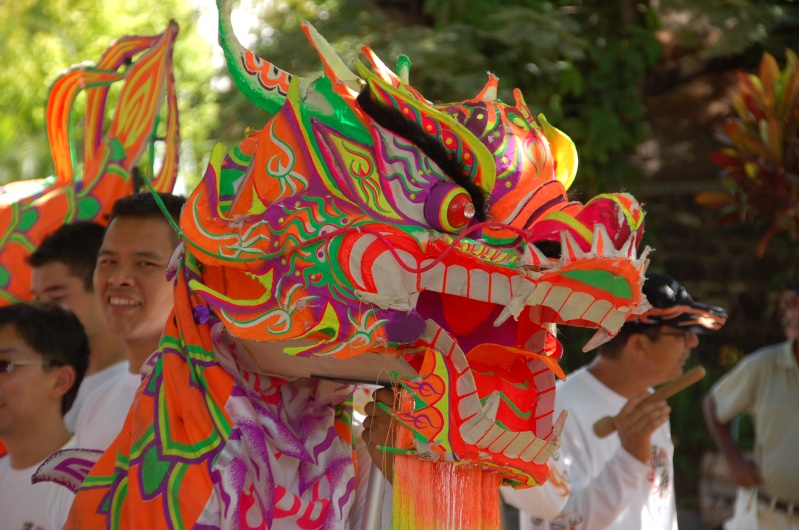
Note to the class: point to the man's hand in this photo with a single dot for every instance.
(636, 422)
(377, 431)
(745, 472)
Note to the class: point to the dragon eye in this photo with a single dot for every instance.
(448, 208)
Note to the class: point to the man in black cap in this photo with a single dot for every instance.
(625, 481)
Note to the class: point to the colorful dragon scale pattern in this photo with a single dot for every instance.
(30, 210)
(363, 220)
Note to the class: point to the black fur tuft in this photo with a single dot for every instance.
(391, 119)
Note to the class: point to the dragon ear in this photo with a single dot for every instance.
(489, 92)
(404, 68)
(263, 83)
(563, 151)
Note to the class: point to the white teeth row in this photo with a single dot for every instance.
(570, 251)
(442, 341)
(122, 301)
(544, 381)
(475, 284)
(398, 289)
(572, 305)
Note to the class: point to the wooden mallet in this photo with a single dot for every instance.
(605, 426)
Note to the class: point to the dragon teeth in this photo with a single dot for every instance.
(516, 305)
(628, 249)
(599, 338)
(500, 288)
(533, 257)
(479, 285)
(482, 424)
(602, 245)
(569, 249)
(457, 280)
(578, 305)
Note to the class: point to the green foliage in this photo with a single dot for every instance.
(44, 37)
(606, 119)
(723, 28)
(761, 162)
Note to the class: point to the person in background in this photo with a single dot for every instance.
(40, 372)
(624, 481)
(62, 270)
(764, 385)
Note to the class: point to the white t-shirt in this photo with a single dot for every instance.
(609, 488)
(546, 501)
(89, 384)
(27, 506)
(100, 419)
(102, 416)
(365, 470)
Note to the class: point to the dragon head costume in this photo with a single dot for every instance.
(364, 232)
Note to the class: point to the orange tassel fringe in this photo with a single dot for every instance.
(441, 495)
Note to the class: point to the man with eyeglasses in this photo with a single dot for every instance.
(624, 481)
(40, 372)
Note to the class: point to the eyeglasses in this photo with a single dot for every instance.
(6, 367)
(684, 334)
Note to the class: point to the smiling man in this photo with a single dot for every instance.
(135, 298)
(625, 480)
(62, 268)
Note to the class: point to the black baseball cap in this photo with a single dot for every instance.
(673, 306)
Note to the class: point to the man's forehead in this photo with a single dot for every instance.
(11, 342)
(141, 236)
(52, 275)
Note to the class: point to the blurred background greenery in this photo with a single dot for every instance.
(641, 86)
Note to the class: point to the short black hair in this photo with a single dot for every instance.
(75, 245)
(56, 334)
(144, 206)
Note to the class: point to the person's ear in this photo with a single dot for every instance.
(638, 344)
(65, 377)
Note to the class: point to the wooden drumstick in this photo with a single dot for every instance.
(605, 426)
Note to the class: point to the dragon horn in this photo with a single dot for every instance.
(343, 79)
(489, 92)
(261, 82)
(380, 68)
